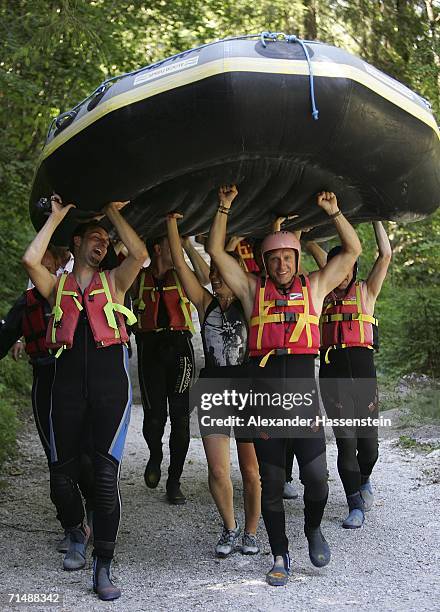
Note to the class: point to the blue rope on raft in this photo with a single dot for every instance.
(263, 36)
(291, 38)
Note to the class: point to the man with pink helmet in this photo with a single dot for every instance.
(283, 309)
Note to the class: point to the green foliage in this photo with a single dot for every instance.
(409, 330)
(410, 443)
(15, 388)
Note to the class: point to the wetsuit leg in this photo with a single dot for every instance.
(290, 456)
(43, 376)
(367, 439)
(66, 418)
(152, 382)
(178, 355)
(271, 455)
(109, 398)
(312, 462)
(349, 389)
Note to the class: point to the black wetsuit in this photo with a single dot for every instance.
(349, 389)
(166, 370)
(43, 369)
(309, 450)
(90, 385)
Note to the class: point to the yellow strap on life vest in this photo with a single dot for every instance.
(354, 317)
(304, 321)
(261, 314)
(111, 307)
(359, 311)
(57, 311)
(183, 301)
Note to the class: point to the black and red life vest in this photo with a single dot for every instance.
(105, 316)
(345, 322)
(283, 323)
(176, 303)
(244, 249)
(34, 324)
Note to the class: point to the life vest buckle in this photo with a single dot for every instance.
(281, 303)
(291, 317)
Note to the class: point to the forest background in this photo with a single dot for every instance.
(55, 52)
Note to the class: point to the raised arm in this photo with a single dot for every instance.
(380, 268)
(233, 243)
(124, 275)
(201, 268)
(196, 293)
(43, 280)
(242, 284)
(333, 273)
(318, 254)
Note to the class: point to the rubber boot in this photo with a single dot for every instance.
(102, 583)
(366, 491)
(152, 473)
(75, 557)
(174, 492)
(319, 550)
(279, 574)
(356, 514)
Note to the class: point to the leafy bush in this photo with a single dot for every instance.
(15, 389)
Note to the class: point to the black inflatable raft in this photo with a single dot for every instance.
(282, 118)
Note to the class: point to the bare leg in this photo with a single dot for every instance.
(251, 485)
(219, 477)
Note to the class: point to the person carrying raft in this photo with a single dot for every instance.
(283, 311)
(91, 380)
(347, 372)
(165, 364)
(224, 334)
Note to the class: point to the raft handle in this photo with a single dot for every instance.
(62, 121)
(98, 95)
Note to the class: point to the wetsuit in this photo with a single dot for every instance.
(349, 389)
(310, 452)
(166, 369)
(90, 385)
(43, 369)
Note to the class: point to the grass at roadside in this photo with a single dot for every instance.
(408, 442)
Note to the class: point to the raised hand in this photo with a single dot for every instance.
(328, 202)
(59, 211)
(227, 194)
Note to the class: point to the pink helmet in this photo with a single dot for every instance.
(281, 240)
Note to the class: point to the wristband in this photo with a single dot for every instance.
(336, 214)
(223, 209)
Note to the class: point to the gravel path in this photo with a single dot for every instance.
(165, 557)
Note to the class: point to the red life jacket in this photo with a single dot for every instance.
(176, 303)
(34, 324)
(103, 313)
(283, 324)
(244, 249)
(344, 322)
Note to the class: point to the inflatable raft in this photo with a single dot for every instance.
(280, 117)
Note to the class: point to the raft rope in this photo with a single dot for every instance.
(291, 38)
(263, 36)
